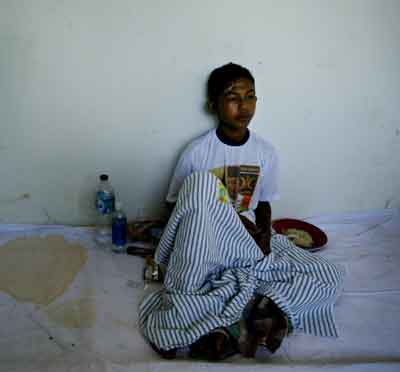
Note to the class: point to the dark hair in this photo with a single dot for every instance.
(222, 76)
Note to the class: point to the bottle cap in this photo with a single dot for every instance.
(104, 177)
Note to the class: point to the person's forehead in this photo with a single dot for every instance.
(239, 85)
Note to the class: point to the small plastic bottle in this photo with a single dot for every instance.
(105, 205)
(119, 229)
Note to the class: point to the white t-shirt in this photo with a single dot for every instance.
(249, 171)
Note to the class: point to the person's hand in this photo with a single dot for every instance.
(250, 226)
(263, 240)
(261, 235)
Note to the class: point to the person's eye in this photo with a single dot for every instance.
(251, 97)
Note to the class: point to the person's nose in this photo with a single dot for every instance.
(243, 105)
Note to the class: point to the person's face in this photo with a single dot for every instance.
(237, 104)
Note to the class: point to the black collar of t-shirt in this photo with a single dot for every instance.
(227, 141)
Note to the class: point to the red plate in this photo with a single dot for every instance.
(318, 236)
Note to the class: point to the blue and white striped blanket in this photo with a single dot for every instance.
(214, 268)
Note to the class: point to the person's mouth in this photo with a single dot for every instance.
(244, 118)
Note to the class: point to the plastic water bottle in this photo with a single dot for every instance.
(105, 201)
(119, 229)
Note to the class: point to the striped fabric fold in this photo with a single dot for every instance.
(214, 268)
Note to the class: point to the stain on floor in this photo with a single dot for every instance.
(79, 313)
(39, 270)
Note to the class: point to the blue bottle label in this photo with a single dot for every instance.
(105, 202)
(119, 230)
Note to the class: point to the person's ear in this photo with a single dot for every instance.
(211, 106)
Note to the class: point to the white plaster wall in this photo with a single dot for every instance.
(91, 86)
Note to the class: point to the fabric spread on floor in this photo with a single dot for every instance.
(214, 268)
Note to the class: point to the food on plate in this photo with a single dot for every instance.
(299, 237)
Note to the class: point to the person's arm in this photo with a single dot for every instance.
(263, 223)
(183, 169)
(269, 192)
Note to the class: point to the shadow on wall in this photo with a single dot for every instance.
(393, 203)
(86, 200)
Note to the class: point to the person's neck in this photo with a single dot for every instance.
(232, 137)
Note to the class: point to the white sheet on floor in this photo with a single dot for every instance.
(367, 314)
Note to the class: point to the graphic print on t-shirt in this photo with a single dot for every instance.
(240, 180)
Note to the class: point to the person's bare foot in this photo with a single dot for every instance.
(216, 345)
(166, 354)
